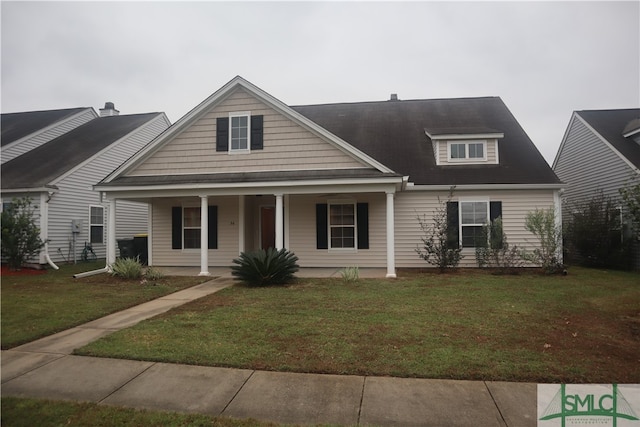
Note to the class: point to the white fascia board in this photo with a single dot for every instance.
(488, 187)
(456, 136)
(219, 95)
(608, 144)
(564, 139)
(159, 116)
(631, 133)
(51, 126)
(30, 190)
(289, 187)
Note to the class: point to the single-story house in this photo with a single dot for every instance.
(337, 184)
(60, 155)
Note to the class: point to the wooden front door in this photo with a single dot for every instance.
(267, 227)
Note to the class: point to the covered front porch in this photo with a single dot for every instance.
(309, 272)
(328, 224)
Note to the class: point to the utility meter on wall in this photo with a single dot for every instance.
(76, 225)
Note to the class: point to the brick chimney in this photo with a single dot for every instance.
(109, 110)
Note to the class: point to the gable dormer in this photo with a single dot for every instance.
(465, 146)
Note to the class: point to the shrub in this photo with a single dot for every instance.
(542, 223)
(439, 248)
(350, 274)
(264, 268)
(493, 250)
(20, 235)
(127, 268)
(153, 274)
(595, 234)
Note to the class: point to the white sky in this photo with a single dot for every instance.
(545, 59)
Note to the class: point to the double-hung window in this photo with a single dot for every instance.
(96, 224)
(342, 225)
(467, 150)
(191, 228)
(473, 216)
(239, 137)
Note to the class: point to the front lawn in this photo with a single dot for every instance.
(584, 327)
(34, 306)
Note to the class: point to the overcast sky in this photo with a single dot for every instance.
(545, 59)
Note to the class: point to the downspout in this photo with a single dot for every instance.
(45, 217)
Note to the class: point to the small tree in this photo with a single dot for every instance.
(440, 247)
(493, 250)
(631, 198)
(542, 224)
(20, 235)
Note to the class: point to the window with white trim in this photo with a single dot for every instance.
(191, 227)
(96, 224)
(342, 225)
(239, 135)
(473, 216)
(467, 151)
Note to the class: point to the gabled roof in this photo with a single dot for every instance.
(18, 125)
(393, 132)
(612, 125)
(42, 165)
(218, 96)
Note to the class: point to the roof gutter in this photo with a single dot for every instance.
(412, 187)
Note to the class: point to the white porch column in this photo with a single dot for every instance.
(111, 233)
(204, 236)
(241, 203)
(279, 223)
(391, 248)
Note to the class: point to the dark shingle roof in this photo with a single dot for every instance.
(43, 164)
(611, 124)
(393, 132)
(18, 125)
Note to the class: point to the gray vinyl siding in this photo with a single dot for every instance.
(287, 146)
(164, 255)
(75, 195)
(43, 136)
(515, 206)
(587, 165)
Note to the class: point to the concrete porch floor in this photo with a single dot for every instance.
(315, 272)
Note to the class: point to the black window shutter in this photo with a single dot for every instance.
(213, 226)
(495, 212)
(176, 227)
(363, 225)
(321, 226)
(257, 133)
(453, 233)
(222, 134)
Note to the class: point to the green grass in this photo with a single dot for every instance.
(17, 412)
(36, 306)
(584, 327)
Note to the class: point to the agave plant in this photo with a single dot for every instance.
(264, 268)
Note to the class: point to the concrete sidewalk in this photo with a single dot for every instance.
(46, 369)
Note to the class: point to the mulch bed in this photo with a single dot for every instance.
(5, 271)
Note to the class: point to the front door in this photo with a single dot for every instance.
(267, 227)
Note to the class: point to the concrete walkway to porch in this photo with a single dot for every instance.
(310, 272)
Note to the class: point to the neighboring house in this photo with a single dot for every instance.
(339, 184)
(58, 175)
(600, 152)
(21, 132)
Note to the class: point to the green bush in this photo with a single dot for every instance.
(350, 274)
(20, 234)
(264, 268)
(153, 274)
(127, 268)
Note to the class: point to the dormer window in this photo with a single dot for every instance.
(239, 132)
(467, 150)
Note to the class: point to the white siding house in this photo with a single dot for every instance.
(59, 177)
